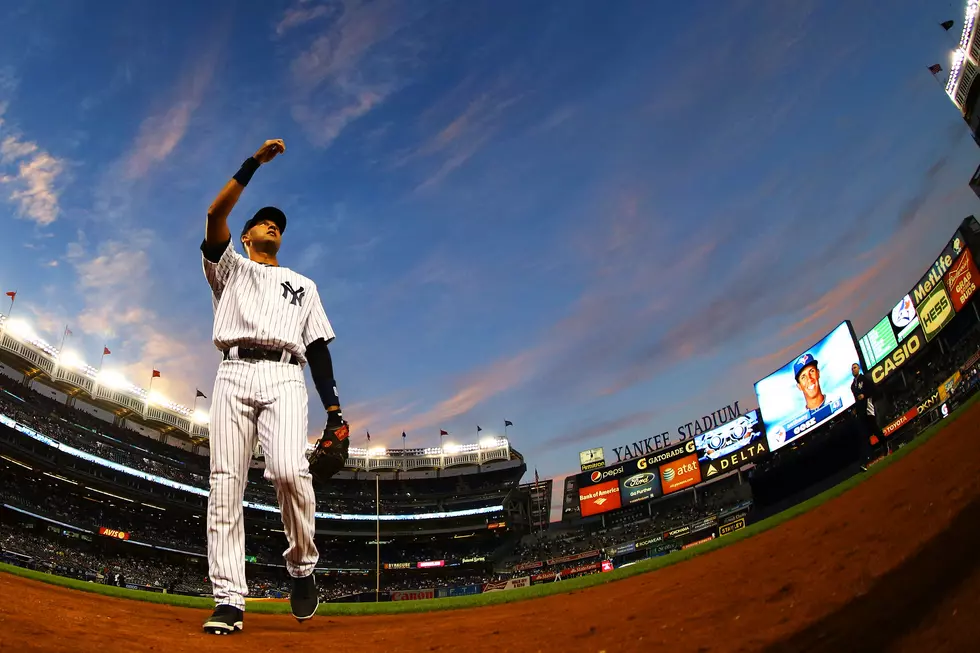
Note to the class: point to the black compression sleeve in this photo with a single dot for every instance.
(213, 254)
(321, 369)
(244, 174)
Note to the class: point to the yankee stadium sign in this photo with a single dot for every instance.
(656, 442)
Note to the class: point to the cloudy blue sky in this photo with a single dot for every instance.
(596, 223)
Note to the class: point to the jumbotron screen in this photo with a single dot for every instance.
(729, 438)
(890, 332)
(810, 390)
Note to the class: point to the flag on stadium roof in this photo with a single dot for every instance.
(441, 432)
(201, 394)
(156, 374)
(507, 423)
(947, 24)
(11, 293)
(478, 429)
(368, 435)
(105, 351)
(935, 69)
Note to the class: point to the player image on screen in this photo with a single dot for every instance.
(809, 391)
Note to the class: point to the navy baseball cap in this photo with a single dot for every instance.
(267, 213)
(803, 361)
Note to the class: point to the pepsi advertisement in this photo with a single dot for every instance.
(810, 390)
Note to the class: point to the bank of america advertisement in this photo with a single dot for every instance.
(810, 390)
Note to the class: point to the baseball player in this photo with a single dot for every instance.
(269, 325)
(819, 406)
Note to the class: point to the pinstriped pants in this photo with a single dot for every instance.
(265, 400)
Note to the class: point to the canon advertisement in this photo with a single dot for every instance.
(732, 445)
(810, 390)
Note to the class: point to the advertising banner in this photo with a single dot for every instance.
(567, 573)
(398, 565)
(731, 527)
(929, 403)
(467, 590)
(585, 555)
(512, 584)
(428, 564)
(729, 438)
(622, 549)
(809, 391)
(639, 487)
(413, 595)
(900, 356)
(735, 444)
(961, 280)
(681, 473)
(113, 533)
(935, 312)
(704, 524)
(592, 459)
(697, 542)
(529, 565)
(934, 277)
(597, 499)
(900, 422)
(649, 541)
(680, 531)
(948, 386)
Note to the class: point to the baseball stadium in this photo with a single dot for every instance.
(840, 512)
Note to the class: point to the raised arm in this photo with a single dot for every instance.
(216, 231)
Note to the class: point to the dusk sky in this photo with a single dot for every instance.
(596, 224)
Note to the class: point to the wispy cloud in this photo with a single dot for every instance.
(32, 175)
(161, 133)
(304, 13)
(352, 66)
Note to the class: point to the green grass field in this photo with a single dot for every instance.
(510, 596)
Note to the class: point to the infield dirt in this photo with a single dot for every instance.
(888, 566)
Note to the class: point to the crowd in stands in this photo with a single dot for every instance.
(918, 380)
(118, 444)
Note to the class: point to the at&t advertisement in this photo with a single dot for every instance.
(810, 390)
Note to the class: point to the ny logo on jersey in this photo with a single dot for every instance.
(295, 297)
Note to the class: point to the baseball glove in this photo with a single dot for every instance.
(330, 453)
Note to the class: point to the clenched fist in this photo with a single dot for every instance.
(269, 150)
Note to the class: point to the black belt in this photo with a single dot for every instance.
(275, 355)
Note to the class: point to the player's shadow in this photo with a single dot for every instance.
(902, 600)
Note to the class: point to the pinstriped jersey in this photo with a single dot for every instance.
(267, 306)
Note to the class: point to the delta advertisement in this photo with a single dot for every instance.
(810, 390)
(732, 445)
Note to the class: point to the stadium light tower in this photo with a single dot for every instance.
(961, 85)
